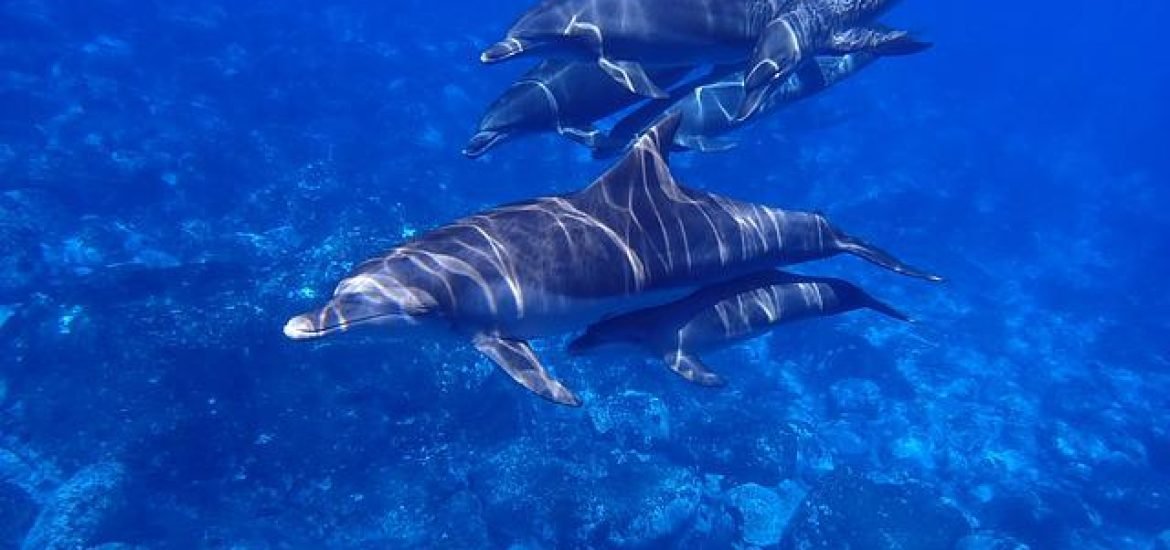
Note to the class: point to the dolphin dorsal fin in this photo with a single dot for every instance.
(645, 164)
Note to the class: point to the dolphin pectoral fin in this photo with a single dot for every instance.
(632, 76)
(691, 368)
(752, 101)
(811, 77)
(876, 40)
(776, 55)
(586, 135)
(517, 359)
(707, 144)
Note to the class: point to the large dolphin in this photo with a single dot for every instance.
(818, 27)
(634, 238)
(625, 36)
(709, 111)
(723, 314)
(560, 96)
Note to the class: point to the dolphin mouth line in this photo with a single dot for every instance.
(476, 150)
(301, 327)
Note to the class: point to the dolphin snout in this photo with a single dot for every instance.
(764, 72)
(480, 143)
(756, 86)
(504, 49)
(301, 327)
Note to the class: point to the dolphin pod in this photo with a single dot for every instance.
(631, 41)
(634, 238)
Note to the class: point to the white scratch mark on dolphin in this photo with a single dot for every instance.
(682, 230)
(764, 300)
(725, 318)
(669, 264)
(458, 266)
(503, 262)
(720, 246)
(417, 262)
(637, 268)
(776, 217)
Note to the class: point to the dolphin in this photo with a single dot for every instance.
(560, 96)
(722, 314)
(818, 27)
(709, 111)
(634, 238)
(625, 36)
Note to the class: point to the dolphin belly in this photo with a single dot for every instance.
(554, 315)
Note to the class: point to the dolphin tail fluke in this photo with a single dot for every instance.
(873, 254)
(632, 76)
(517, 359)
(879, 41)
(692, 369)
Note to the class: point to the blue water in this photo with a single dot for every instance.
(178, 178)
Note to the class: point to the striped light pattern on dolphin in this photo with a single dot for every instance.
(772, 38)
(625, 37)
(817, 28)
(634, 238)
(709, 111)
(723, 314)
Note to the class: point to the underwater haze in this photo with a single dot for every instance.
(179, 178)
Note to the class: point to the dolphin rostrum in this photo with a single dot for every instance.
(725, 313)
(634, 238)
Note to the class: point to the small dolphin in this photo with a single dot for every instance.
(633, 239)
(622, 36)
(709, 111)
(818, 27)
(726, 313)
(560, 96)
